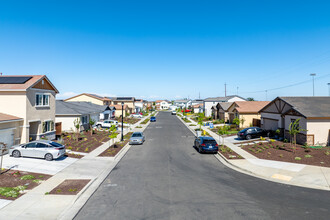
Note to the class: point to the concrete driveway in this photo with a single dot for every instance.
(37, 165)
(235, 139)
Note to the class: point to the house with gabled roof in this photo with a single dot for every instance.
(247, 112)
(213, 101)
(220, 111)
(88, 97)
(313, 112)
(68, 112)
(129, 101)
(32, 99)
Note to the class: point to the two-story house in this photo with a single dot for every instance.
(129, 101)
(30, 98)
(87, 97)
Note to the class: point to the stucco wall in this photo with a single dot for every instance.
(320, 130)
(248, 119)
(85, 98)
(207, 108)
(42, 113)
(67, 123)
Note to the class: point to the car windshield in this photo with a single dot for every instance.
(153, 117)
(54, 144)
(137, 135)
(209, 142)
(244, 130)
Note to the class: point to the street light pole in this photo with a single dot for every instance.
(312, 75)
(122, 121)
(329, 88)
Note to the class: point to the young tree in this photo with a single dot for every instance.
(222, 132)
(242, 121)
(91, 123)
(236, 121)
(76, 124)
(294, 129)
(3, 149)
(250, 99)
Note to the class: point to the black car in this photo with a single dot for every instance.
(206, 144)
(252, 132)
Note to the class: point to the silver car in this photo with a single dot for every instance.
(48, 150)
(137, 138)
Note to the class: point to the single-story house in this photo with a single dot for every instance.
(248, 111)
(210, 102)
(68, 112)
(314, 114)
(220, 111)
(198, 108)
(88, 97)
(118, 111)
(10, 129)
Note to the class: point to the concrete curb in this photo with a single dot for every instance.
(90, 189)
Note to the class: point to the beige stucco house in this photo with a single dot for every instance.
(32, 99)
(87, 97)
(220, 111)
(129, 101)
(314, 114)
(10, 129)
(248, 111)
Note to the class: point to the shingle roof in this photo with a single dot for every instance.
(222, 99)
(182, 100)
(78, 108)
(118, 107)
(24, 86)
(124, 99)
(250, 106)
(225, 105)
(6, 117)
(312, 106)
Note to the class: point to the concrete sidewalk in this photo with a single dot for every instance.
(315, 177)
(36, 205)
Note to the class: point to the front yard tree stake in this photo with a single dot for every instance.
(91, 123)
(294, 129)
(76, 123)
(3, 148)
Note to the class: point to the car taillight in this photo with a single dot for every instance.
(216, 145)
(58, 148)
(203, 145)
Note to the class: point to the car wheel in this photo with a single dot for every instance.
(48, 157)
(199, 150)
(16, 153)
(248, 137)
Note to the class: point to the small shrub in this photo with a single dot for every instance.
(86, 149)
(285, 140)
(281, 155)
(297, 158)
(262, 138)
(308, 156)
(272, 140)
(37, 180)
(27, 177)
(58, 190)
(46, 193)
(327, 153)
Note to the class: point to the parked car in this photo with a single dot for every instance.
(48, 150)
(187, 110)
(252, 132)
(136, 116)
(106, 123)
(137, 138)
(153, 119)
(173, 113)
(206, 144)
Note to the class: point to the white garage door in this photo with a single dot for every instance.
(7, 137)
(270, 124)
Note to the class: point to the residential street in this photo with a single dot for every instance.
(166, 178)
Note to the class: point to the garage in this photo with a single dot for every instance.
(270, 124)
(7, 137)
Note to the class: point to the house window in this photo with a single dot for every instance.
(84, 120)
(42, 99)
(48, 126)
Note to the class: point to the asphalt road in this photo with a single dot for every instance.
(166, 178)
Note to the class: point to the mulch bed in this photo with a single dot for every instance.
(13, 178)
(70, 187)
(116, 147)
(86, 142)
(229, 153)
(73, 155)
(128, 120)
(281, 151)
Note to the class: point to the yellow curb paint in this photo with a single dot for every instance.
(282, 177)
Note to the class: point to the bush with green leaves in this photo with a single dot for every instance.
(27, 177)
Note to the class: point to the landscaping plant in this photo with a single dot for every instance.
(76, 124)
(294, 129)
(91, 123)
(222, 132)
(236, 121)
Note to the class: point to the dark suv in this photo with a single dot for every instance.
(253, 132)
(206, 144)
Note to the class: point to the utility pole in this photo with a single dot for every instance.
(329, 88)
(225, 90)
(266, 94)
(312, 75)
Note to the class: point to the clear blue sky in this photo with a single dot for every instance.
(169, 49)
